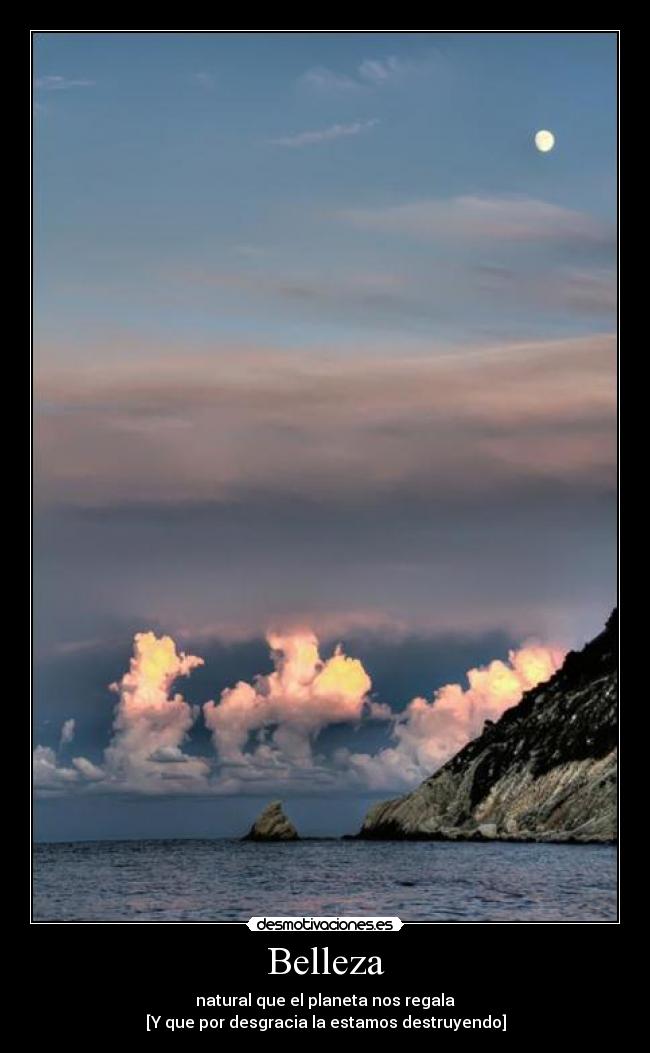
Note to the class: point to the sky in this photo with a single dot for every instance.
(324, 410)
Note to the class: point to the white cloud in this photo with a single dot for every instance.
(369, 73)
(326, 80)
(67, 732)
(380, 71)
(50, 776)
(89, 771)
(47, 774)
(335, 131)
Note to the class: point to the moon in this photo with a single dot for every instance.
(544, 140)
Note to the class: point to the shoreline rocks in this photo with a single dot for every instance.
(272, 825)
(546, 771)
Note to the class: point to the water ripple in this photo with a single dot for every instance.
(225, 880)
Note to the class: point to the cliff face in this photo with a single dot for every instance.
(272, 825)
(546, 771)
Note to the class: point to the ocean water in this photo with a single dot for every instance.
(225, 880)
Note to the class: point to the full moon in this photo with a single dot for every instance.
(544, 140)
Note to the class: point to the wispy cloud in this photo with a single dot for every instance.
(583, 291)
(477, 421)
(471, 217)
(54, 82)
(335, 131)
(381, 71)
(369, 73)
(320, 78)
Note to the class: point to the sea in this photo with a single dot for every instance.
(227, 880)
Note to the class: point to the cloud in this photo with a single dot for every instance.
(589, 291)
(88, 771)
(370, 73)
(265, 731)
(46, 773)
(586, 291)
(429, 733)
(382, 71)
(285, 710)
(352, 292)
(150, 723)
(484, 218)
(466, 421)
(335, 131)
(323, 79)
(168, 755)
(49, 776)
(67, 732)
(58, 83)
(427, 292)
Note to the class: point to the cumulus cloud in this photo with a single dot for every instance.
(87, 770)
(150, 722)
(149, 727)
(283, 711)
(47, 774)
(168, 755)
(265, 730)
(334, 131)
(428, 733)
(50, 776)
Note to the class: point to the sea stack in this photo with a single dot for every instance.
(272, 825)
(546, 771)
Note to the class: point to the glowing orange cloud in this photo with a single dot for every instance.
(302, 695)
(429, 733)
(264, 730)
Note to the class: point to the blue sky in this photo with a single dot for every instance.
(321, 340)
(157, 159)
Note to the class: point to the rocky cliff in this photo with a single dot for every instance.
(546, 771)
(272, 825)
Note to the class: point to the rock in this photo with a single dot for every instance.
(488, 830)
(546, 771)
(272, 825)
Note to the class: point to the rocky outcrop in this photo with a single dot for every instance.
(546, 771)
(272, 825)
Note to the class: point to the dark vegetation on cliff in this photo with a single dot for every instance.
(546, 770)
